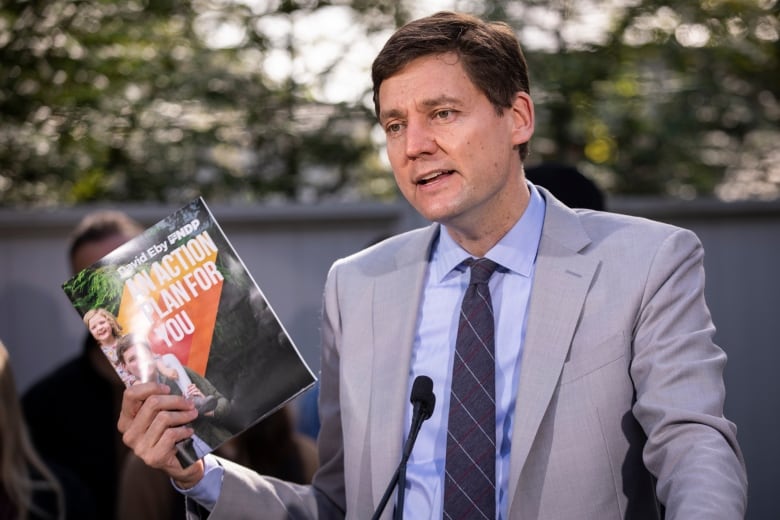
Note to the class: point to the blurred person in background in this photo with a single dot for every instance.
(29, 488)
(72, 412)
(568, 184)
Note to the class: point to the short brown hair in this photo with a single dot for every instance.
(489, 51)
(127, 341)
(100, 225)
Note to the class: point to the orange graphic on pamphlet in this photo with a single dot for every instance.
(177, 316)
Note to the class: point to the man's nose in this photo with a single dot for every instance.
(420, 139)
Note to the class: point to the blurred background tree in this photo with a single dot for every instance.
(244, 100)
(678, 98)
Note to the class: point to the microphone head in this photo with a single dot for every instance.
(422, 395)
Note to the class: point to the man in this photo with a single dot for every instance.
(71, 413)
(135, 355)
(608, 389)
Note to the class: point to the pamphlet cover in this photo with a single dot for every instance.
(177, 305)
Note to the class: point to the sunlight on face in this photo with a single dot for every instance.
(453, 156)
(139, 362)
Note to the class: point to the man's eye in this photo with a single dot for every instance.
(443, 114)
(393, 128)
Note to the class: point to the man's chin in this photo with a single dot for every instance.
(436, 212)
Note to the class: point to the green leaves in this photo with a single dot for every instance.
(136, 101)
(96, 287)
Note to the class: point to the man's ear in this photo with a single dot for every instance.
(522, 112)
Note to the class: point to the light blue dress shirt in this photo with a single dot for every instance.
(434, 349)
(432, 355)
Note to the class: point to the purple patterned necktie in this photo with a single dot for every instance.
(470, 467)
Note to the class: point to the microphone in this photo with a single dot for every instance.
(423, 402)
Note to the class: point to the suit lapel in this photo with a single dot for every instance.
(561, 282)
(396, 299)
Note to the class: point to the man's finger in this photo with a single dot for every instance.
(133, 399)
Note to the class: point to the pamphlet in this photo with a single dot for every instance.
(177, 305)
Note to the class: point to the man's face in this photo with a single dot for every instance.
(100, 328)
(453, 156)
(139, 362)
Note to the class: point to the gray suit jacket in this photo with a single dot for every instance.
(620, 400)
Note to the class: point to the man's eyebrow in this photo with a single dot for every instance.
(425, 104)
(440, 100)
(390, 114)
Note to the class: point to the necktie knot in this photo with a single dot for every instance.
(481, 269)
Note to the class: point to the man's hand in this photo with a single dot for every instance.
(151, 423)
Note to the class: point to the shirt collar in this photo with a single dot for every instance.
(515, 252)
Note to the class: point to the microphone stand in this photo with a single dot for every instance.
(399, 477)
(423, 401)
(414, 430)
